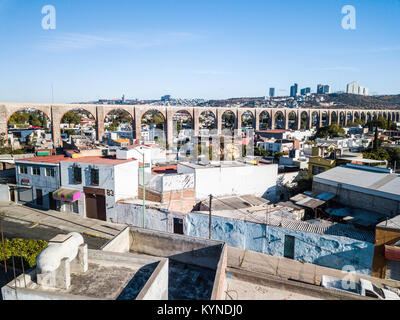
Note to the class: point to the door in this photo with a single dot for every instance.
(95, 206)
(12, 194)
(39, 197)
(178, 226)
(52, 202)
(289, 247)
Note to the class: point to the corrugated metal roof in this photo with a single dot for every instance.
(372, 181)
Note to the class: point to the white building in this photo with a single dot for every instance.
(91, 186)
(37, 178)
(354, 88)
(232, 178)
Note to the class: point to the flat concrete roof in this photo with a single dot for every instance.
(363, 179)
(107, 161)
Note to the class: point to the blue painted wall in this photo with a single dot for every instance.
(324, 250)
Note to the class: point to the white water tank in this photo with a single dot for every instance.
(50, 258)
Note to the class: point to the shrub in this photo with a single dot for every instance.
(29, 249)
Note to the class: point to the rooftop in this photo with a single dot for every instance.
(45, 159)
(106, 161)
(247, 209)
(369, 180)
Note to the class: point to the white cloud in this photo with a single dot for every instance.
(74, 41)
(210, 72)
(339, 68)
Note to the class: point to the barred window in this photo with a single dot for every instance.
(77, 175)
(94, 177)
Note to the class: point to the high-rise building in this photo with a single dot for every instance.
(352, 88)
(305, 91)
(323, 89)
(272, 92)
(166, 98)
(293, 90)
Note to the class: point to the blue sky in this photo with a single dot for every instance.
(194, 49)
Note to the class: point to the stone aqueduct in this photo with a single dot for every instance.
(55, 113)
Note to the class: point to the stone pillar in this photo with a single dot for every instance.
(320, 124)
(138, 123)
(196, 121)
(218, 119)
(170, 127)
(272, 114)
(298, 120)
(100, 122)
(286, 115)
(257, 120)
(238, 121)
(56, 115)
(328, 118)
(3, 124)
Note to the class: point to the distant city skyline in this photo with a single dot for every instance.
(206, 50)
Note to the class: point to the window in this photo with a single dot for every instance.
(50, 172)
(36, 171)
(77, 175)
(94, 177)
(23, 169)
(369, 293)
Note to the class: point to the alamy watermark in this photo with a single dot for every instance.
(49, 20)
(349, 21)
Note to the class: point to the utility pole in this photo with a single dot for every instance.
(2, 243)
(144, 197)
(210, 218)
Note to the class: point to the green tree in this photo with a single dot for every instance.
(72, 117)
(303, 182)
(333, 130)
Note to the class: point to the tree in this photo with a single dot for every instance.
(333, 130)
(303, 182)
(72, 117)
(381, 123)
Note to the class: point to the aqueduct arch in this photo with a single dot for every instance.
(56, 111)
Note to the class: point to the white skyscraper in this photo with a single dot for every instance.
(352, 87)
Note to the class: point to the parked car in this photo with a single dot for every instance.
(365, 288)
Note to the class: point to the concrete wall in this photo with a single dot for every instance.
(4, 192)
(120, 243)
(324, 250)
(156, 288)
(265, 266)
(132, 214)
(195, 251)
(126, 180)
(359, 199)
(241, 180)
